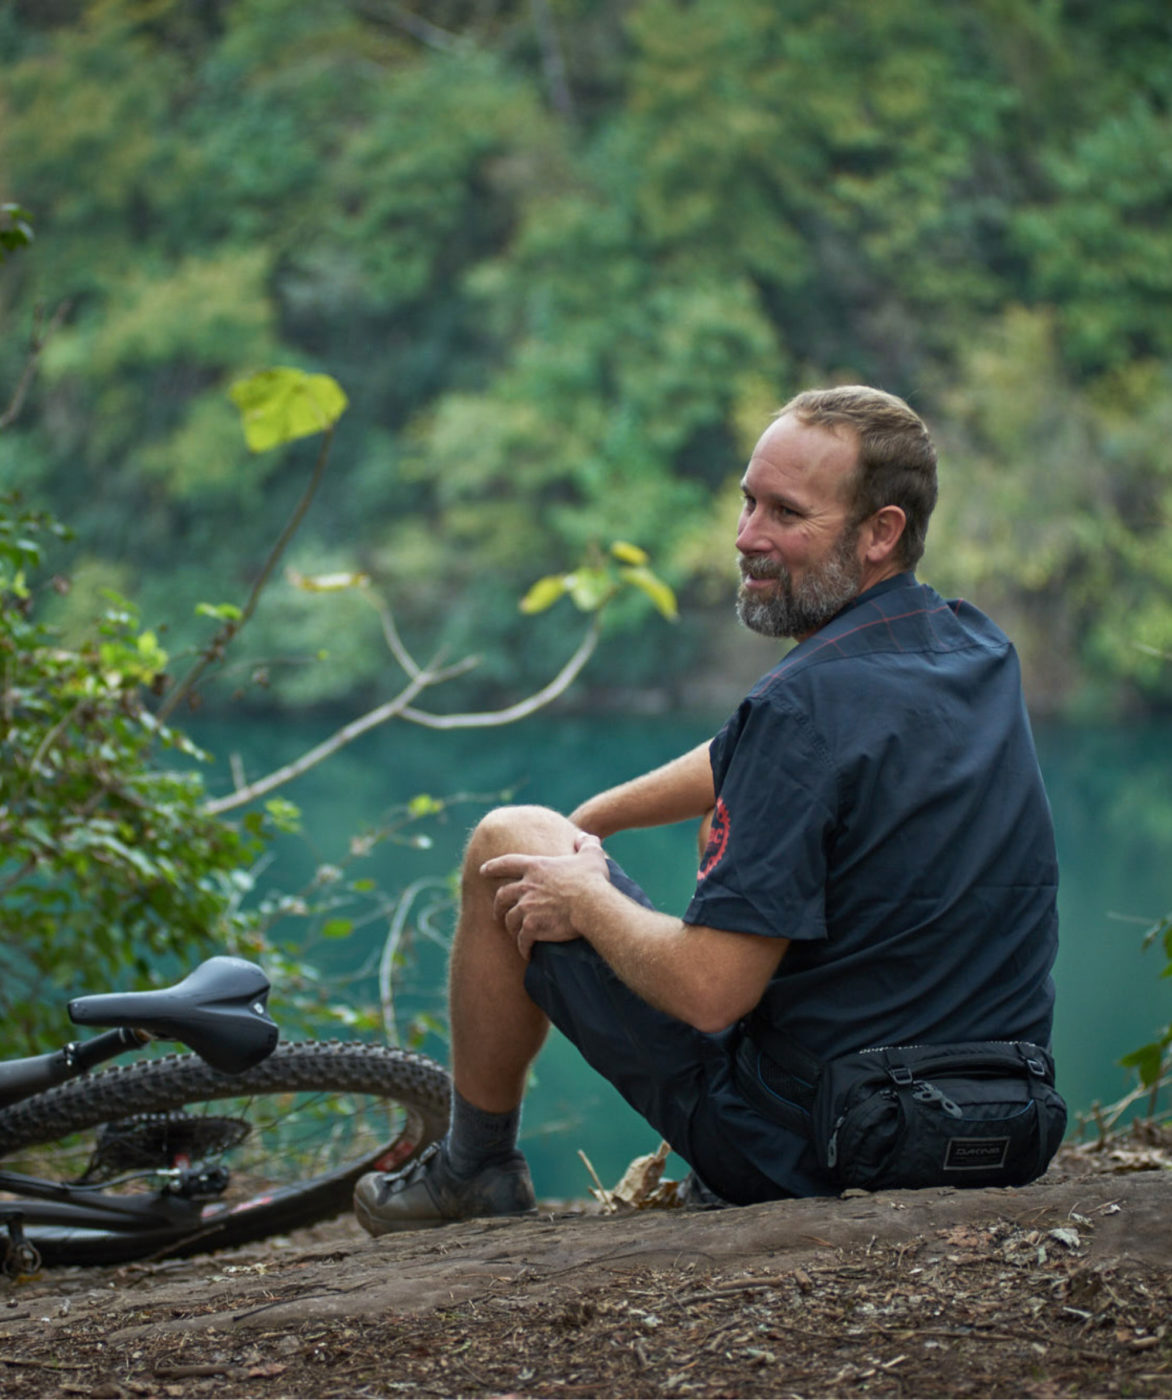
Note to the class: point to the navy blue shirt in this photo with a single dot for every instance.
(879, 804)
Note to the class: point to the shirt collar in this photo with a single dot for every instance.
(907, 579)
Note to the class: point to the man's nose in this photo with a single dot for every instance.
(750, 539)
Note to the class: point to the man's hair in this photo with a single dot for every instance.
(897, 460)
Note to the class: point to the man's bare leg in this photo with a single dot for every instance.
(496, 1034)
(496, 1029)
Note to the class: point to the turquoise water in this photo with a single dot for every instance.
(1110, 788)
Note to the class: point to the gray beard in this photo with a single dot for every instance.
(796, 611)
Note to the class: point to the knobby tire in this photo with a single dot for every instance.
(342, 1089)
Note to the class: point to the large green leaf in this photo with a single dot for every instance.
(280, 405)
(1148, 1061)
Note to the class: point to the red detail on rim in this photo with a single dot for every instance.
(217, 1209)
(395, 1156)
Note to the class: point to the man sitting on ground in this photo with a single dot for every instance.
(880, 868)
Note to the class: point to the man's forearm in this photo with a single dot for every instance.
(678, 791)
(706, 977)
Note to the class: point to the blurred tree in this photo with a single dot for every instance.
(1056, 511)
(566, 256)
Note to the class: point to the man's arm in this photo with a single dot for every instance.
(676, 792)
(707, 977)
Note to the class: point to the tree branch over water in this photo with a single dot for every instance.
(422, 678)
(486, 719)
(231, 629)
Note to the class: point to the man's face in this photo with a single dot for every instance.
(800, 561)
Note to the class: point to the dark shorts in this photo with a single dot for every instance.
(677, 1077)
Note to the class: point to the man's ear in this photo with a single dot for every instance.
(882, 533)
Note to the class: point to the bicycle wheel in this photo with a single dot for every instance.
(294, 1134)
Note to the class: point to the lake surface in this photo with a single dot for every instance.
(1110, 788)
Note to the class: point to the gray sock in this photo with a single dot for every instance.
(477, 1139)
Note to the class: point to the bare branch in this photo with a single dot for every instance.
(394, 641)
(54, 734)
(418, 28)
(487, 719)
(215, 649)
(39, 340)
(390, 952)
(12, 880)
(312, 757)
(346, 735)
(401, 708)
(1152, 651)
(553, 60)
(1107, 1118)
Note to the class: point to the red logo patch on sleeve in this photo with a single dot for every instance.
(717, 840)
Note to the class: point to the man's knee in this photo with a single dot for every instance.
(531, 830)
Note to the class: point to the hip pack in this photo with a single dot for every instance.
(980, 1113)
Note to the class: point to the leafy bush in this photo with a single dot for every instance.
(115, 864)
(1153, 1061)
(109, 866)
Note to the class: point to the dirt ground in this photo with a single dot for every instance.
(1063, 1288)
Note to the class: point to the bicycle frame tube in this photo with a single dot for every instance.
(88, 1208)
(21, 1079)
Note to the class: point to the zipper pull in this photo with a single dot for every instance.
(832, 1145)
(928, 1093)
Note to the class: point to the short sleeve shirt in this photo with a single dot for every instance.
(879, 804)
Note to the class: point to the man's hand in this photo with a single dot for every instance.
(705, 976)
(536, 901)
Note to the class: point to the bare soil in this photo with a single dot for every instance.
(1062, 1288)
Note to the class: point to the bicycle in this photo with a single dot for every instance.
(188, 1153)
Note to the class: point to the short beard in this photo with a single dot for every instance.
(796, 611)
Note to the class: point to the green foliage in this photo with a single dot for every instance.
(1056, 509)
(113, 871)
(593, 586)
(281, 405)
(16, 230)
(109, 867)
(1153, 1061)
(564, 307)
(112, 865)
(116, 866)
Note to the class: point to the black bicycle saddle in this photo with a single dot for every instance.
(220, 1010)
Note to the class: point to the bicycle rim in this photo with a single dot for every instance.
(295, 1133)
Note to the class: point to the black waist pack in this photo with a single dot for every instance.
(983, 1113)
